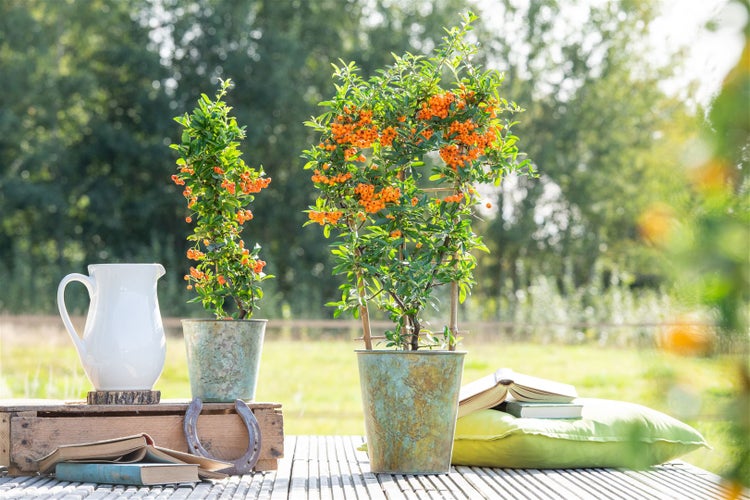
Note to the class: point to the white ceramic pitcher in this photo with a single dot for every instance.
(123, 346)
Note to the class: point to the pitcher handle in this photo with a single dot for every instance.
(88, 282)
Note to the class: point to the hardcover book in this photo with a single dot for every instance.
(523, 409)
(138, 474)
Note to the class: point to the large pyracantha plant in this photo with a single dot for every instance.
(219, 186)
(396, 170)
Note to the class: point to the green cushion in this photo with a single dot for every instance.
(609, 434)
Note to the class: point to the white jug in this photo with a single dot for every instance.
(123, 346)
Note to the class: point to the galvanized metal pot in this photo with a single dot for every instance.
(410, 401)
(223, 358)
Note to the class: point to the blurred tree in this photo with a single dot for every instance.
(91, 87)
(709, 245)
(601, 131)
(82, 157)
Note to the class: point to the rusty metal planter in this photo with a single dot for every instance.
(410, 401)
(223, 358)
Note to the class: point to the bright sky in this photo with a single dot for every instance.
(712, 53)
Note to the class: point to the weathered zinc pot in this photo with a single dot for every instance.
(410, 401)
(223, 357)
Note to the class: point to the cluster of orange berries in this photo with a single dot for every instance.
(469, 145)
(387, 136)
(321, 178)
(228, 185)
(361, 133)
(244, 215)
(249, 185)
(373, 201)
(437, 107)
(324, 218)
(455, 157)
(456, 198)
(194, 254)
(257, 265)
(357, 134)
(195, 275)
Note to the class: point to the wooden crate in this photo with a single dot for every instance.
(29, 429)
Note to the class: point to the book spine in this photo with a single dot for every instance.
(103, 473)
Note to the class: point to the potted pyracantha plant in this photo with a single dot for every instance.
(227, 273)
(396, 169)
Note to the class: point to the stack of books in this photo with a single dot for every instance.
(520, 395)
(131, 460)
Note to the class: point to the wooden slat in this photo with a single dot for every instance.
(359, 457)
(460, 487)
(282, 479)
(475, 477)
(299, 476)
(566, 486)
(352, 481)
(525, 486)
(695, 483)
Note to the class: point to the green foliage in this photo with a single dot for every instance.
(401, 216)
(605, 135)
(219, 188)
(89, 90)
(82, 157)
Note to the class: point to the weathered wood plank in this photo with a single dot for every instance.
(299, 474)
(282, 479)
(361, 466)
(566, 487)
(123, 397)
(352, 480)
(337, 483)
(692, 483)
(459, 486)
(474, 476)
(29, 429)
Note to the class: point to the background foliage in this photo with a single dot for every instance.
(90, 88)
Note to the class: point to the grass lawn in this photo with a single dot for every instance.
(318, 384)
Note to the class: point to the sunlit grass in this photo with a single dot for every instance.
(317, 382)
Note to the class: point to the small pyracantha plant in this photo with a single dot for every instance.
(396, 170)
(219, 188)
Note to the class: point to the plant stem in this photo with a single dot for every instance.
(364, 312)
(453, 324)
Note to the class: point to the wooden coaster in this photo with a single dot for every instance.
(123, 397)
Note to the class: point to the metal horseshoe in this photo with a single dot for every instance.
(247, 461)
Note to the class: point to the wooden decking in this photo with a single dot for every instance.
(331, 467)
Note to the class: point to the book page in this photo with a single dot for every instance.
(206, 465)
(529, 388)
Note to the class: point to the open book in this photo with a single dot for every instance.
(139, 448)
(494, 388)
